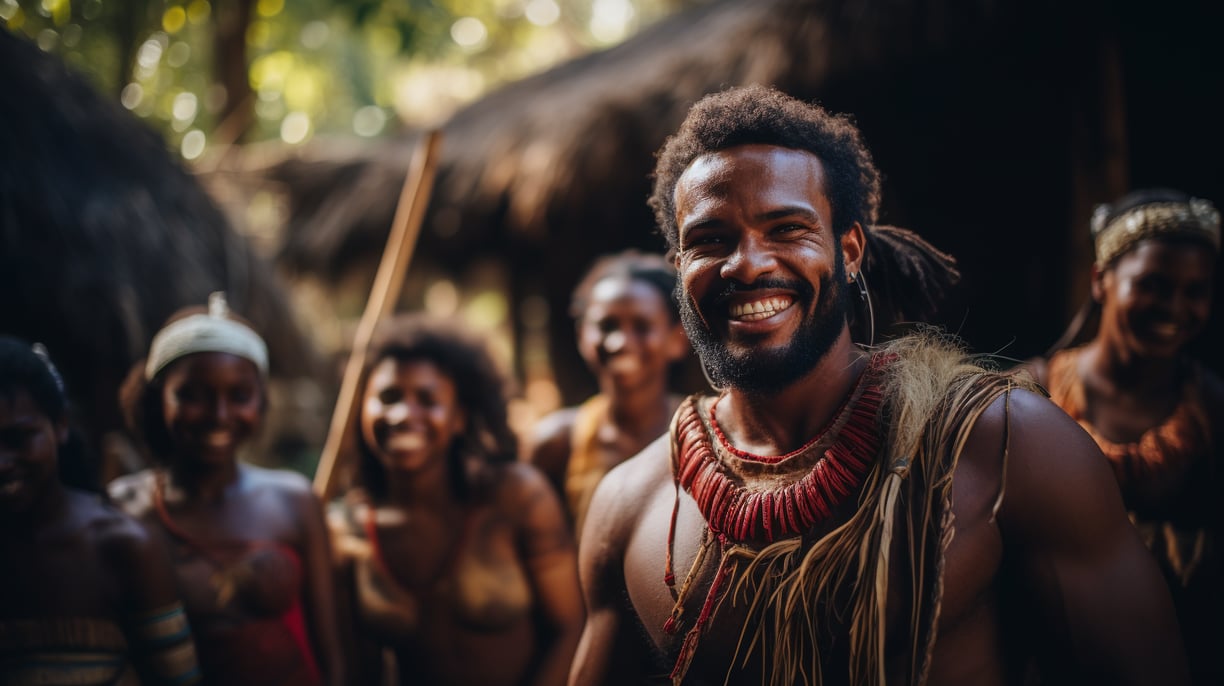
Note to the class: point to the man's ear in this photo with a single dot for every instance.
(854, 247)
(61, 431)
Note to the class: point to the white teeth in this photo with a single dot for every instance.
(760, 309)
(406, 442)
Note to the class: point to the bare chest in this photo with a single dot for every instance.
(57, 578)
(427, 572)
(727, 645)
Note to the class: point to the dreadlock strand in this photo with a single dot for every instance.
(912, 277)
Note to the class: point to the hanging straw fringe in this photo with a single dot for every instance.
(796, 593)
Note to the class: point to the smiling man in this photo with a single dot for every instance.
(837, 514)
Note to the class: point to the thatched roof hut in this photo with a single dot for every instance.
(997, 125)
(103, 235)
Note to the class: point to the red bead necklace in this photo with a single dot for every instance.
(713, 471)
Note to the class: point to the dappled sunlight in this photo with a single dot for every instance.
(317, 68)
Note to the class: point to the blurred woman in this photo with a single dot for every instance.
(88, 595)
(250, 545)
(1123, 372)
(630, 336)
(457, 557)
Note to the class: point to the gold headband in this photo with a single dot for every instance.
(1197, 219)
(214, 332)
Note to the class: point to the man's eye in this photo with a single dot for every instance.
(703, 240)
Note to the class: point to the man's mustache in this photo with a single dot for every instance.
(722, 296)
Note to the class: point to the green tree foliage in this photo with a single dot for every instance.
(312, 67)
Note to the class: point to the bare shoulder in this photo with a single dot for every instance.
(282, 480)
(548, 447)
(523, 497)
(554, 428)
(1036, 433)
(291, 486)
(1077, 567)
(519, 482)
(1056, 476)
(647, 467)
(624, 492)
(136, 557)
(133, 493)
(119, 538)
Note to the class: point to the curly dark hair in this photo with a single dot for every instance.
(140, 400)
(24, 369)
(480, 388)
(762, 115)
(649, 268)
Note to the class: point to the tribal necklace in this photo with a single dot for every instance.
(833, 464)
(776, 506)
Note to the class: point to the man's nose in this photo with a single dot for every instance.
(749, 261)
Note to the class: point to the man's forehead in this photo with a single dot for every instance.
(750, 174)
(717, 168)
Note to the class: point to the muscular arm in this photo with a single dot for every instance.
(1101, 610)
(551, 563)
(610, 651)
(319, 588)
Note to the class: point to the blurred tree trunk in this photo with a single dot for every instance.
(229, 52)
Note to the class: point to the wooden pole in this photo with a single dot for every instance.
(405, 227)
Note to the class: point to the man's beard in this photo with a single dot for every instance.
(769, 371)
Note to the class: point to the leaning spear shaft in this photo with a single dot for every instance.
(405, 228)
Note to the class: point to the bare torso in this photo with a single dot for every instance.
(970, 605)
(457, 596)
(244, 566)
(68, 568)
(1017, 587)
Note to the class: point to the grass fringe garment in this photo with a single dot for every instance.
(934, 393)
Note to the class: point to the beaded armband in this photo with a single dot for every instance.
(162, 640)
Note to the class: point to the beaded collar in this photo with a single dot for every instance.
(746, 497)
